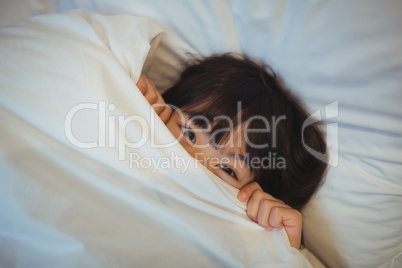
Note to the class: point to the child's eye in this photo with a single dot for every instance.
(228, 170)
(190, 135)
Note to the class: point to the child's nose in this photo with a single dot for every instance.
(209, 157)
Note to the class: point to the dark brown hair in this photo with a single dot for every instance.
(214, 86)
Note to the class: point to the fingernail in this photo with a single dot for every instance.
(242, 196)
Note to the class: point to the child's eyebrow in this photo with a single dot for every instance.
(199, 123)
(236, 156)
(195, 119)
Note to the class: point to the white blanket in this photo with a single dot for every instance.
(82, 182)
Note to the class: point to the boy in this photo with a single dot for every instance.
(234, 116)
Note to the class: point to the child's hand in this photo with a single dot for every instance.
(154, 98)
(271, 213)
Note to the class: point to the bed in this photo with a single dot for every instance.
(69, 199)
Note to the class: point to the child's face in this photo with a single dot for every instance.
(226, 162)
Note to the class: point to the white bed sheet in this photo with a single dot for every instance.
(312, 258)
(64, 206)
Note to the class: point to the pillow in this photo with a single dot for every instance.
(344, 59)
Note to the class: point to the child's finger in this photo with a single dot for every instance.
(245, 192)
(160, 105)
(253, 204)
(165, 115)
(276, 217)
(291, 220)
(258, 202)
(264, 212)
(151, 94)
(142, 84)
